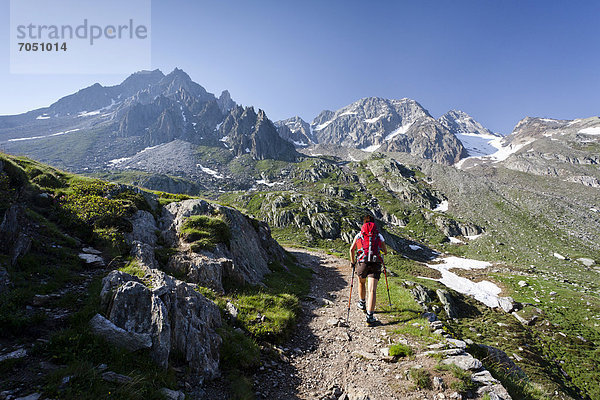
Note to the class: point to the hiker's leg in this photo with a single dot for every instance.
(362, 288)
(372, 294)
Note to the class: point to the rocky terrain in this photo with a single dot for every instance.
(105, 126)
(494, 261)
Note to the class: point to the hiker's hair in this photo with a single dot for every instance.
(367, 218)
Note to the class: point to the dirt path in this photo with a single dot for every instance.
(326, 358)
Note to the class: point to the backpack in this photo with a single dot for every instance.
(370, 243)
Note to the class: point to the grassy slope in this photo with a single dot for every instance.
(519, 236)
(81, 206)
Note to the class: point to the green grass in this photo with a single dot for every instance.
(267, 315)
(463, 382)
(205, 232)
(400, 350)
(420, 377)
(81, 352)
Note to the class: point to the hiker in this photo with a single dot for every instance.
(367, 245)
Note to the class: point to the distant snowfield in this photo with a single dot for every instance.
(401, 130)
(591, 131)
(479, 145)
(45, 136)
(371, 148)
(269, 184)
(485, 291)
(210, 171)
(487, 147)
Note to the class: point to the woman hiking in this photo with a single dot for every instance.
(367, 246)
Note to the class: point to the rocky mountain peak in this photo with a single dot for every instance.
(246, 132)
(460, 122)
(225, 102)
(296, 131)
(375, 123)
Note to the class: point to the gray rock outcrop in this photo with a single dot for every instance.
(14, 239)
(247, 238)
(393, 125)
(172, 313)
(447, 302)
(144, 228)
(119, 337)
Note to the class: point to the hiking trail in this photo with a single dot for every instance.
(327, 358)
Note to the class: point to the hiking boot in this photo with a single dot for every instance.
(362, 305)
(371, 320)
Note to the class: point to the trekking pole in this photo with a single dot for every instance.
(386, 283)
(350, 297)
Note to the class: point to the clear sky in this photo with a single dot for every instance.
(496, 60)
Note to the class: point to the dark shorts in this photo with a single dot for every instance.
(369, 269)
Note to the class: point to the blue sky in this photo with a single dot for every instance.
(497, 60)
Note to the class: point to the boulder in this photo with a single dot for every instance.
(201, 269)
(447, 302)
(119, 337)
(144, 254)
(14, 239)
(91, 250)
(113, 377)
(588, 262)
(422, 295)
(248, 237)
(144, 228)
(484, 378)
(92, 260)
(507, 304)
(495, 392)
(173, 394)
(175, 316)
(465, 361)
(500, 358)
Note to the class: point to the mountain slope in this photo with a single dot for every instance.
(296, 131)
(394, 125)
(102, 127)
(477, 140)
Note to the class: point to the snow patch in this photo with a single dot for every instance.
(269, 184)
(148, 148)
(43, 116)
(371, 148)
(323, 125)
(45, 136)
(401, 130)
(117, 161)
(442, 207)
(414, 247)
(210, 171)
(247, 150)
(478, 144)
(473, 237)
(373, 120)
(455, 240)
(88, 113)
(591, 131)
(485, 291)
(300, 143)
